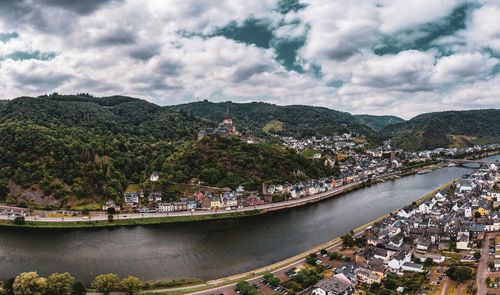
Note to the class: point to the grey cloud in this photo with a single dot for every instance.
(117, 37)
(145, 52)
(43, 82)
(245, 73)
(341, 53)
(84, 7)
(169, 68)
(38, 14)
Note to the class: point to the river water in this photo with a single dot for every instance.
(212, 249)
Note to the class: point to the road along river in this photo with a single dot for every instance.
(211, 249)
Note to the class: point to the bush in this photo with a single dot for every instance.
(19, 220)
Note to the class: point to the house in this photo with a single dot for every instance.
(240, 189)
(423, 244)
(110, 205)
(155, 197)
(408, 266)
(154, 176)
(229, 200)
(180, 206)
(338, 284)
(165, 207)
(216, 203)
(399, 259)
(435, 258)
(463, 241)
(191, 205)
(368, 277)
(206, 201)
(131, 197)
(254, 201)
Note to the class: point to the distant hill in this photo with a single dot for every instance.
(295, 120)
(446, 129)
(378, 122)
(3, 102)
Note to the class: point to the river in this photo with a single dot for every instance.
(212, 249)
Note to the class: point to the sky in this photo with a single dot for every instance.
(378, 57)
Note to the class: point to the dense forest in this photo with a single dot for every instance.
(73, 148)
(2, 102)
(446, 129)
(296, 120)
(377, 123)
(228, 162)
(84, 147)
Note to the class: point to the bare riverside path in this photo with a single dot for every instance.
(207, 249)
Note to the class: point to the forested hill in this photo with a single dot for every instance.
(64, 150)
(2, 102)
(85, 147)
(377, 123)
(446, 129)
(295, 120)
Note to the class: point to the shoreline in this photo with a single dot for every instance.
(185, 217)
(221, 282)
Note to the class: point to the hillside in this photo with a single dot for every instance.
(295, 120)
(446, 129)
(65, 150)
(3, 102)
(57, 149)
(226, 162)
(377, 123)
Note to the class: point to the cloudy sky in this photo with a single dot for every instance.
(379, 57)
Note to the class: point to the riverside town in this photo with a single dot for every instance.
(277, 147)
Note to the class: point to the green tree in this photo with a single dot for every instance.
(459, 274)
(79, 288)
(477, 214)
(131, 284)
(60, 284)
(428, 262)
(311, 258)
(477, 255)
(8, 286)
(19, 220)
(106, 283)
(390, 284)
(29, 283)
(348, 240)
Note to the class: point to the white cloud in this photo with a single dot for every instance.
(156, 50)
(463, 67)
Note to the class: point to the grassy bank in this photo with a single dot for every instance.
(129, 222)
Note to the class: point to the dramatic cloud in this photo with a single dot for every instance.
(375, 56)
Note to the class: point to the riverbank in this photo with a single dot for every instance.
(182, 217)
(227, 281)
(130, 222)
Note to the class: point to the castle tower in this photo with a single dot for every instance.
(228, 121)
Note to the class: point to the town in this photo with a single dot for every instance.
(446, 243)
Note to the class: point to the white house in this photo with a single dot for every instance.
(408, 266)
(166, 207)
(154, 176)
(338, 284)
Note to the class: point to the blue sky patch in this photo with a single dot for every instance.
(4, 37)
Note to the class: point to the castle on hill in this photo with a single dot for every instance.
(224, 129)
